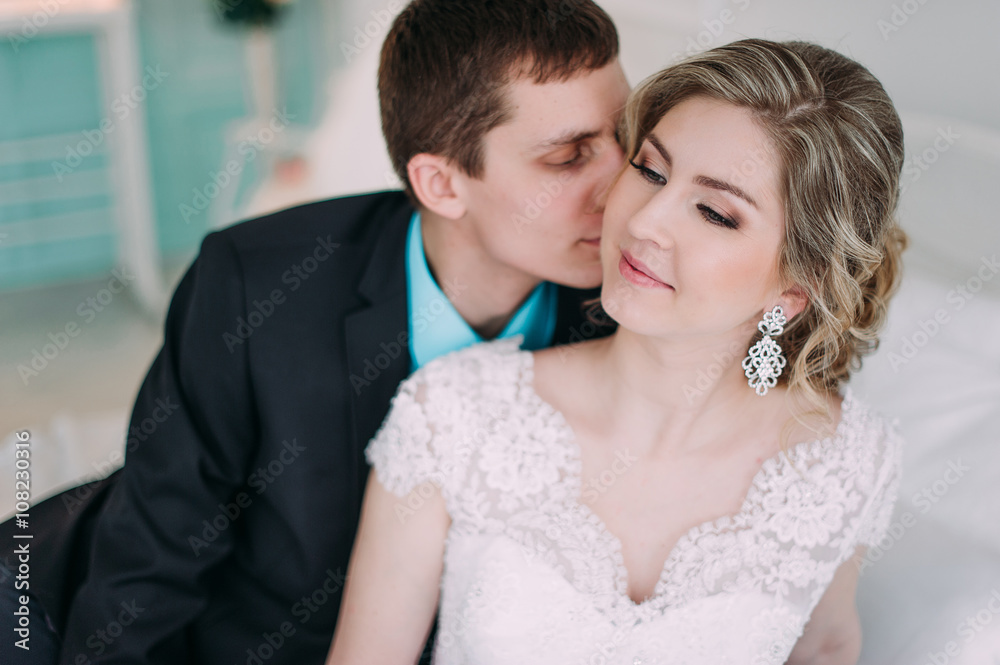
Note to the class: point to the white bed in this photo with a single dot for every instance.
(942, 568)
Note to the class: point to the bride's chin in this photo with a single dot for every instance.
(638, 322)
(635, 307)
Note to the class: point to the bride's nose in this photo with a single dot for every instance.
(655, 222)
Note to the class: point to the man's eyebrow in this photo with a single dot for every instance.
(704, 180)
(566, 138)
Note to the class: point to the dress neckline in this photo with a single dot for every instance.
(575, 485)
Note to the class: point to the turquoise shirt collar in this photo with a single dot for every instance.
(436, 327)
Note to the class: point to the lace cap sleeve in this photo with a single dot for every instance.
(402, 452)
(436, 417)
(888, 471)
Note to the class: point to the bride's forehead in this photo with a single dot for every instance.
(715, 121)
(721, 141)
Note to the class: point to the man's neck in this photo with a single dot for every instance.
(485, 292)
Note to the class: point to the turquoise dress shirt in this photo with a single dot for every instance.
(436, 327)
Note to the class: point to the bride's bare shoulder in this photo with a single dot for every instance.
(558, 369)
(567, 359)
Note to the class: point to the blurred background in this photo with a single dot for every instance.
(130, 129)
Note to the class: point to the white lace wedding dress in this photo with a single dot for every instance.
(531, 575)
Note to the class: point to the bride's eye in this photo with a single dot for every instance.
(648, 174)
(716, 218)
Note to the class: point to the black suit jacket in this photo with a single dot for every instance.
(227, 536)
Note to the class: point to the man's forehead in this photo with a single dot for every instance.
(543, 123)
(596, 86)
(556, 113)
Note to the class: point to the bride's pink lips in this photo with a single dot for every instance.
(637, 273)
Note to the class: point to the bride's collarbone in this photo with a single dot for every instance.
(653, 505)
(649, 515)
(648, 533)
(667, 495)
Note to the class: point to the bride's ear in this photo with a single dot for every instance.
(793, 301)
(433, 179)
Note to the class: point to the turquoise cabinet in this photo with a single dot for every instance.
(56, 219)
(61, 211)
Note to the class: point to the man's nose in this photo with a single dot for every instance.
(609, 166)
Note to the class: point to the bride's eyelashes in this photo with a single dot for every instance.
(716, 218)
(648, 174)
(710, 215)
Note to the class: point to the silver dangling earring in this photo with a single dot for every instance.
(764, 364)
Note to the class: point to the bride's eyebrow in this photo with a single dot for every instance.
(703, 180)
(655, 142)
(725, 187)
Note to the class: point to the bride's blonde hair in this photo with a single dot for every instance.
(839, 142)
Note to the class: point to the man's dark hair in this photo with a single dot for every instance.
(445, 65)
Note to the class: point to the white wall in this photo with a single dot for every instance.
(940, 58)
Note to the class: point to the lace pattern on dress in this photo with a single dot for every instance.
(508, 468)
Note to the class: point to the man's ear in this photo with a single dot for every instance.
(433, 180)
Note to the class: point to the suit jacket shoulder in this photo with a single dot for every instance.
(358, 222)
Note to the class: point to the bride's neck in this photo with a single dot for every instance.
(674, 394)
